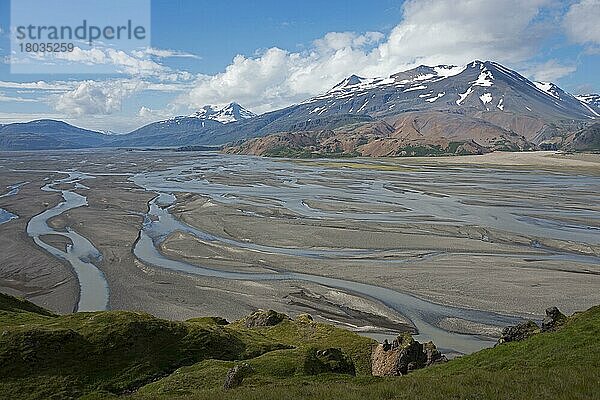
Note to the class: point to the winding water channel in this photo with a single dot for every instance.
(80, 253)
(288, 186)
(159, 223)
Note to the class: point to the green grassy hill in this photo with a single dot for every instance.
(115, 353)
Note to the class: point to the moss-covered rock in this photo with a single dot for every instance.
(327, 360)
(519, 332)
(236, 375)
(304, 318)
(264, 318)
(434, 356)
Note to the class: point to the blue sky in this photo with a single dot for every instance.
(224, 29)
(268, 54)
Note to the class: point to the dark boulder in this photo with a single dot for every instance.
(518, 332)
(554, 319)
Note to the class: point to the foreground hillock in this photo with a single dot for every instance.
(44, 355)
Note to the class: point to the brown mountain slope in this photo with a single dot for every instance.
(411, 134)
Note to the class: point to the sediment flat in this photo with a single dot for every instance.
(423, 226)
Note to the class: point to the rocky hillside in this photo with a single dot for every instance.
(587, 139)
(268, 355)
(412, 134)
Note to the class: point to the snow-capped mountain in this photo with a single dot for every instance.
(187, 130)
(233, 112)
(478, 86)
(484, 101)
(481, 106)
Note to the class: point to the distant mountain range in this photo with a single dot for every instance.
(480, 107)
(48, 134)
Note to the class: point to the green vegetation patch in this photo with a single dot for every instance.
(110, 351)
(106, 354)
(559, 365)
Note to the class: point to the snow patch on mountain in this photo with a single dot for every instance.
(447, 71)
(591, 102)
(500, 104)
(421, 77)
(548, 88)
(420, 87)
(463, 96)
(439, 95)
(486, 98)
(592, 99)
(356, 83)
(485, 79)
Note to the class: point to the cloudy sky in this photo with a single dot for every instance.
(268, 54)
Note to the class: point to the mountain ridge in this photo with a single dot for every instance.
(482, 93)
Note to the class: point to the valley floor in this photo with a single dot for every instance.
(504, 233)
(536, 159)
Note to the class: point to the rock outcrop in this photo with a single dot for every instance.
(518, 332)
(434, 356)
(304, 318)
(553, 321)
(264, 318)
(236, 375)
(403, 355)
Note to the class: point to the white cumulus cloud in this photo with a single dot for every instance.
(431, 32)
(582, 22)
(93, 98)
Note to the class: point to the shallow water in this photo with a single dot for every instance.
(422, 192)
(423, 315)
(6, 215)
(81, 255)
